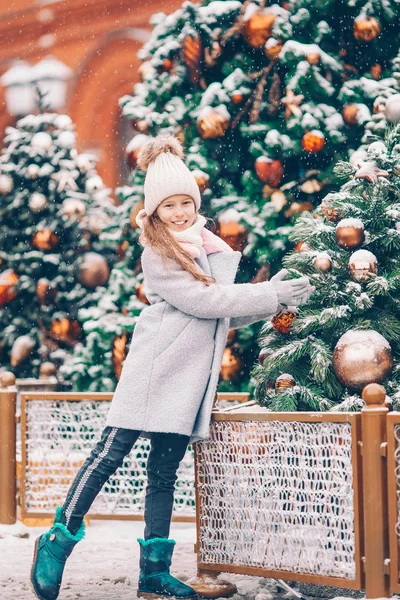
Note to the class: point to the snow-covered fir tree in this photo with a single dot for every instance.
(322, 355)
(53, 206)
(262, 98)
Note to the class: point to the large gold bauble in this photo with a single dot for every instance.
(350, 233)
(284, 382)
(366, 29)
(363, 265)
(66, 330)
(361, 357)
(93, 270)
(45, 240)
(350, 113)
(257, 29)
(213, 122)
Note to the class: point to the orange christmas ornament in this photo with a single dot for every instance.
(350, 113)
(257, 27)
(45, 291)
(273, 48)
(237, 97)
(119, 353)
(202, 179)
(230, 366)
(230, 230)
(284, 382)
(313, 141)
(268, 170)
(376, 72)
(213, 122)
(66, 330)
(192, 56)
(313, 58)
(283, 321)
(45, 240)
(350, 233)
(366, 29)
(122, 248)
(8, 281)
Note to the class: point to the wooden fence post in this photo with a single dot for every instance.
(8, 446)
(375, 495)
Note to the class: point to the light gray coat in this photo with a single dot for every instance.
(169, 378)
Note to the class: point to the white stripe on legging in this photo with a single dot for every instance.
(87, 474)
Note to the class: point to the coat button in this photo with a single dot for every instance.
(52, 537)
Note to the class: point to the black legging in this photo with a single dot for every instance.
(167, 450)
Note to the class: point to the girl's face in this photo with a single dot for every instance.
(178, 212)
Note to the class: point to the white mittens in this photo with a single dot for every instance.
(292, 292)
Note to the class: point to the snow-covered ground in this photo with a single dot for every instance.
(104, 566)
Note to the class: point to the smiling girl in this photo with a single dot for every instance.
(169, 379)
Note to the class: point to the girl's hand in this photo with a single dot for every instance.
(292, 292)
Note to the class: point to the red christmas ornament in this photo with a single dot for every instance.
(283, 321)
(8, 280)
(268, 170)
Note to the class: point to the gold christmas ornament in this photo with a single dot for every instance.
(363, 265)
(273, 48)
(313, 141)
(8, 282)
(66, 330)
(237, 97)
(231, 230)
(284, 382)
(119, 353)
(192, 56)
(133, 149)
(257, 27)
(350, 233)
(283, 321)
(269, 171)
(329, 213)
(134, 213)
(202, 179)
(21, 349)
(311, 186)
(45, 240)
(366, 29)
(73, 207)
(45, 291)
(313, 58)
(213, 122)
(230, 366)
(322, 261)
(298, 207)
(361, 357)
(93, 270)
(264, 353)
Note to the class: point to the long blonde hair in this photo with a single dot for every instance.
(156, 234)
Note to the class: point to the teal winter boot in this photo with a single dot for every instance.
(51, 552)
(154, 578)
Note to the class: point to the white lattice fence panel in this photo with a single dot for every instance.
(59, 437)
(397, 475)
(278, 496)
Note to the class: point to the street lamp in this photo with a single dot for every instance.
(51, 76)
(20, 95)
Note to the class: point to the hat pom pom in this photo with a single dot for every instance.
(156, 146)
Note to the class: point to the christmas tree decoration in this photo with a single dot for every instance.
(33, 171)
(141, 294)
(237, 97)
(21, 349)
(66, 331)
(363, 265)
(366, 29)
(230, 366)
(93, 270)
(269, 171)
(322, 262)
(231, 230)
(45, 240)
(6, 184)
(134, 213)
(66, 180)
(292, 103)
(302, 247)
(38, 202)
(313, 58)
(86, 162)
(392, 109)
(192, 56)
(330, 213)
(67, 139)
(350, 233)
(350, 114)
(370, 172)
(119, 353)
(45, 291)
(122, 248)
(278, 200)
(284, 382)
(264, 352)
(311, 186)
(257, 25)
(202, 179)
(298, 207)
(376, 72)
(47, 370)
(42, 141)
(73, 208)
(273, 48)
(133, 149)
(313, 141)
(8, 281)
(282, 322)
(361, 357)
(213, 122)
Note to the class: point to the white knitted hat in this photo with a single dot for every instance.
(166, 174)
